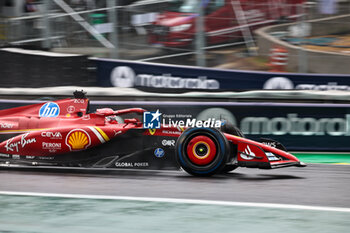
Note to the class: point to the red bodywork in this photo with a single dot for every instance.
(224, 20)
(73, 129)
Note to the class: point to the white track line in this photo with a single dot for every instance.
(180, 201)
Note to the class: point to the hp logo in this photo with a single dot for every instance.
(159, 152)
(50, 109)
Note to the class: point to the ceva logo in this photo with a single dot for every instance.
(151, 120)
(50, 109)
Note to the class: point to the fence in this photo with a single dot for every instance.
(135, 31)
(26, 68)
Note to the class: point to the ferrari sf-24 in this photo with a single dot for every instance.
(64, 133)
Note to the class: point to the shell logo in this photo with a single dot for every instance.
(78, 139)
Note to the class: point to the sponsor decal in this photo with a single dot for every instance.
(117, 132)
(270, 144)
(172, 132)
(280, 83)
(51, 146)
(5, 125)
(177, 115)
(248, 154)
(209, 123)
(283, 83)
(17, 145)
(123, 164)
(71, 109)
(79, 101)
(168, 142)
(292, 124)
(30, 157)
(159, 152)
(51, 135)
(271, 156)
(128, 164)
(16, 156)
(323, 87)
(46, 157)
(4, 155)
(50, 109)
(124, 76)
(152, 120)
(141, 164)
(78, 139)
(152, 131)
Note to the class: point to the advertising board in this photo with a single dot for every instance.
(181, 78)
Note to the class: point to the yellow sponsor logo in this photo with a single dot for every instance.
(78, 139)
(152, 131)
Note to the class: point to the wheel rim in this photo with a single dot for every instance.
(201, 150)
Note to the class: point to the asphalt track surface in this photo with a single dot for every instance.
(315, 185)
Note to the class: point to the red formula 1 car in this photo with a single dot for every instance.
(64, 133)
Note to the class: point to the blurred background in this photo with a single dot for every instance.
(227, 34)
(274, 68)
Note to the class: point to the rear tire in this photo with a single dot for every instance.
(202, 151)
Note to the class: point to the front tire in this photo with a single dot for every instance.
(234, 130)
(202, 151)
